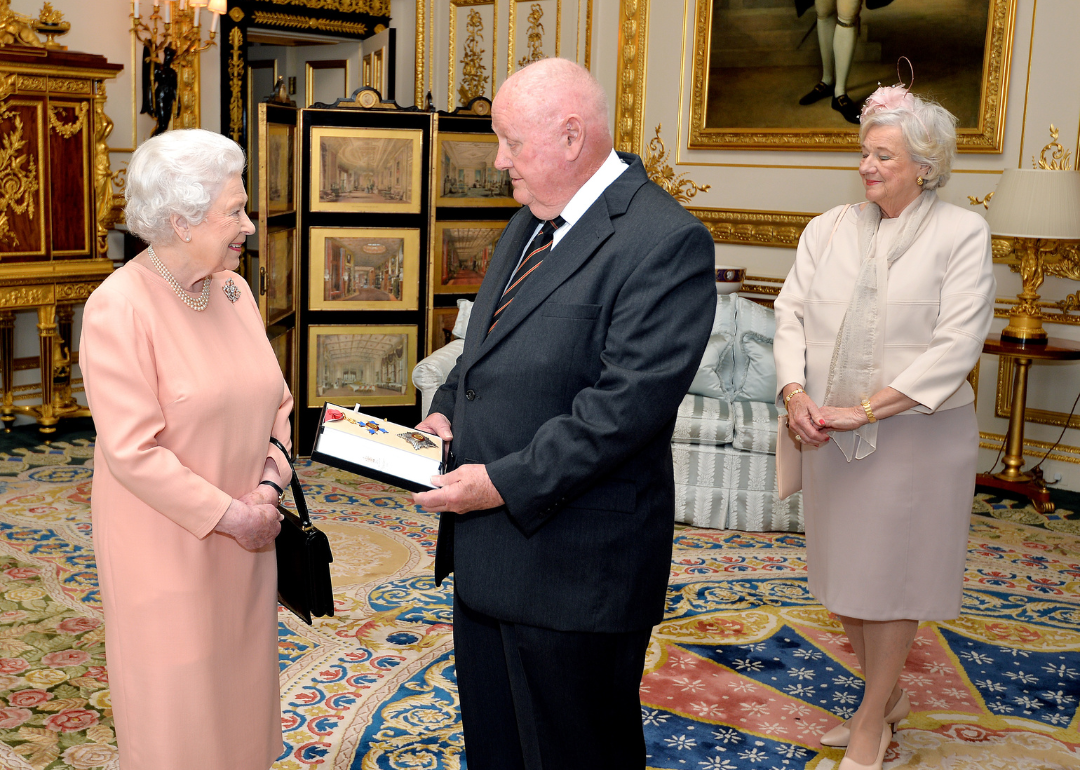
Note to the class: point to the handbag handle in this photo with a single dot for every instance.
(294, 483)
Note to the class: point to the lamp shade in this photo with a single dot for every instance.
(1036, 203)
(218, 6)
(198, 3)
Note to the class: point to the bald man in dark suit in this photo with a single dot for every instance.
(557, 517)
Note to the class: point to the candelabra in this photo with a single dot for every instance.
(171, 37)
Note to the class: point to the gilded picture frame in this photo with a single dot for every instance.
(370, 365)
(463, 251)
(278, 276)
(366, 170)
(467, 176)
(281, 341)
(440, 325)
(364, 268)
(734, 106)
(280, 169)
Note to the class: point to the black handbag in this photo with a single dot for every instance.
(303, 558)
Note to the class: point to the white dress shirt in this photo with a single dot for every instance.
(585, 197)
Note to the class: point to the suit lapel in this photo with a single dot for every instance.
(573, 250)
(498, 275)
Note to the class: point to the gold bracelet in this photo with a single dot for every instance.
(869, 412)
(791, 395)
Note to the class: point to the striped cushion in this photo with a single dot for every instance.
(724, 488)
(754, 426)
(703, 420)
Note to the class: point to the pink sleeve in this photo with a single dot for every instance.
(120, 375)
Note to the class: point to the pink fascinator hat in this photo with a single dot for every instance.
(887, 98)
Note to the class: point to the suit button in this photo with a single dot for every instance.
(470, 394)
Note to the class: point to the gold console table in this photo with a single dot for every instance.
(1012, 479)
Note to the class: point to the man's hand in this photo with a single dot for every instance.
(466, 489)
(437, 423)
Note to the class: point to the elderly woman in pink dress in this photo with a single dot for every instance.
(879, 322)
(186, 393)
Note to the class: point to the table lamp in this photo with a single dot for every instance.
(1037, 207)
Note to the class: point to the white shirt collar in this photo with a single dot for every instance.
(592, 189)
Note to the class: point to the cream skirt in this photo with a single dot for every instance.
(886, 536)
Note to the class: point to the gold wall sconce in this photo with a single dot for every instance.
(1040, 209)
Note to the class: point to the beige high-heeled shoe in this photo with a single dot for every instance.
(886, 739)
(840, 735)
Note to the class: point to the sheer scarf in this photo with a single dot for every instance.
(859, 353)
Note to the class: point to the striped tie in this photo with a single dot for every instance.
(534, 257)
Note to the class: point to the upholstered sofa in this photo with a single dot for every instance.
(724, 445)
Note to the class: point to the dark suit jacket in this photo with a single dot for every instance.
(570, 403)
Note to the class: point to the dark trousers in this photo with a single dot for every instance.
(537, 699)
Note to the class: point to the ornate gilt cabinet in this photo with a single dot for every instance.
(56, 205)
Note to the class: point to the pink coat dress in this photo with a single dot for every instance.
(184, 403)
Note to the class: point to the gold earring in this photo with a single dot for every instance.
(920, 181)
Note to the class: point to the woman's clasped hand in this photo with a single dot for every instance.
(813, 423)
(253, 525)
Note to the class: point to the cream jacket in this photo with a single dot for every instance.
(939, 307)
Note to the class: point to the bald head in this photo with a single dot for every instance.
(552, 89)
(552, 122)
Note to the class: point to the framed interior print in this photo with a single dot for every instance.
(467, 175)
(356, 364)
(755, 70)
(463, 251)
(278, 277)
(364, 268)
(280, 165)
(441, 326)
(366, 170)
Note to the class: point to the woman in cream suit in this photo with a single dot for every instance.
(880, 320)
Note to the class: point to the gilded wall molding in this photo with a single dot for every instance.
(511, 49)
(534, 35)
(630, 87)
(420, 58)
(373, 7)
(472, 58)
(758, 228)
(588, 32)
(680, 187)
(236, 84)
(995, 442)
(326, 25)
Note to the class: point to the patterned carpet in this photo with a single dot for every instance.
(745, 672)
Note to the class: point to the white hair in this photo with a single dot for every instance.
(929, 132)
(178, 172)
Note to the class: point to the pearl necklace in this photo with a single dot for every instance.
(194, 304)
